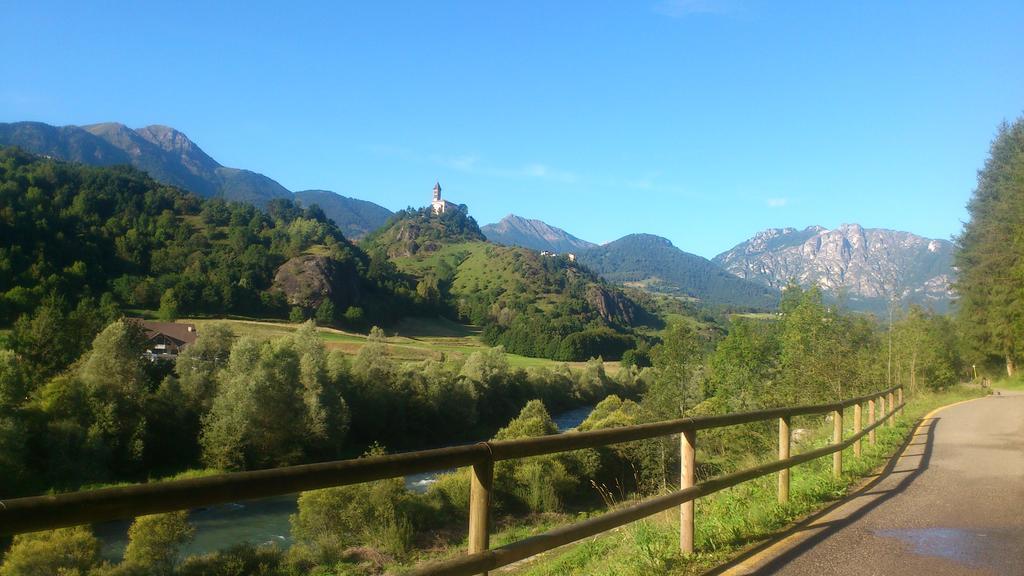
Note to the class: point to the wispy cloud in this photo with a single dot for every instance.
(545, 172)
(777, 202)
(684, 8)
(464, 163)
(644, 183)
(472, 164)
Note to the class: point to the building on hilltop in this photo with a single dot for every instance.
(439, 206)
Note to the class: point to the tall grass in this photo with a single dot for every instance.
(1014, 383)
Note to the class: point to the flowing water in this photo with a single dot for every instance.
(266, 521)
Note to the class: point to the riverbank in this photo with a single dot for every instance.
(266, 521)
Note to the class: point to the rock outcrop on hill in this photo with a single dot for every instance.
(308, 280)
(613, 306)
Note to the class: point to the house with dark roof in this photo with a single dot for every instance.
(164, 340)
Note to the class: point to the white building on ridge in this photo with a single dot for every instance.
(439, 206)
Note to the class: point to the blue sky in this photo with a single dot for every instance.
(703, 121)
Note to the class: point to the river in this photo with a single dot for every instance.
(266, 520)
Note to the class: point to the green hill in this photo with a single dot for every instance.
(410, 232)
(546, 306)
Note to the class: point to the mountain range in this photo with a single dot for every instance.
(866, 267)
(169, 157)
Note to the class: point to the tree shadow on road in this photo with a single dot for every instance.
(924, 435)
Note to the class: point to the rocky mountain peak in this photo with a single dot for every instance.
(515, 230)
(170, 140)
(867, 265)
(773, 238)
(167, 138)
(121, 136)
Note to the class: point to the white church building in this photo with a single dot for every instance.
(439, 206)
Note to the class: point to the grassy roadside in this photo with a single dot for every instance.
(736, 518)
(1014, 384)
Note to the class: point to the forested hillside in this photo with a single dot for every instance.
(355, 217)
(114, 234)
(653, 263)
(170, 157)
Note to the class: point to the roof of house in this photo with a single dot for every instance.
(180, 331)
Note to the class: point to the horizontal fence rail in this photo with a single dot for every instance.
(491, 559)
(35, 513)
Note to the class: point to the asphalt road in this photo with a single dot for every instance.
(953, 503)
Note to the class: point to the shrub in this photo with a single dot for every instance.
(54, 552)
(450, 493)
(154, 541)
(380, 514)
(537, 483)
(241, 560)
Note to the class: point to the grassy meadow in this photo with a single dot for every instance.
(413, 339)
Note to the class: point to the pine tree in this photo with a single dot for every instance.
(989, 258)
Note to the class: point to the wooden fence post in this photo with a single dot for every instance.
(837, 438)
(784, 441)
(856, 428)
(899, 398)
(871, 420)
(687, 447)
(892, 409)
(480, 506)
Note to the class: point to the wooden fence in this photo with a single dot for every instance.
(56, 511)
